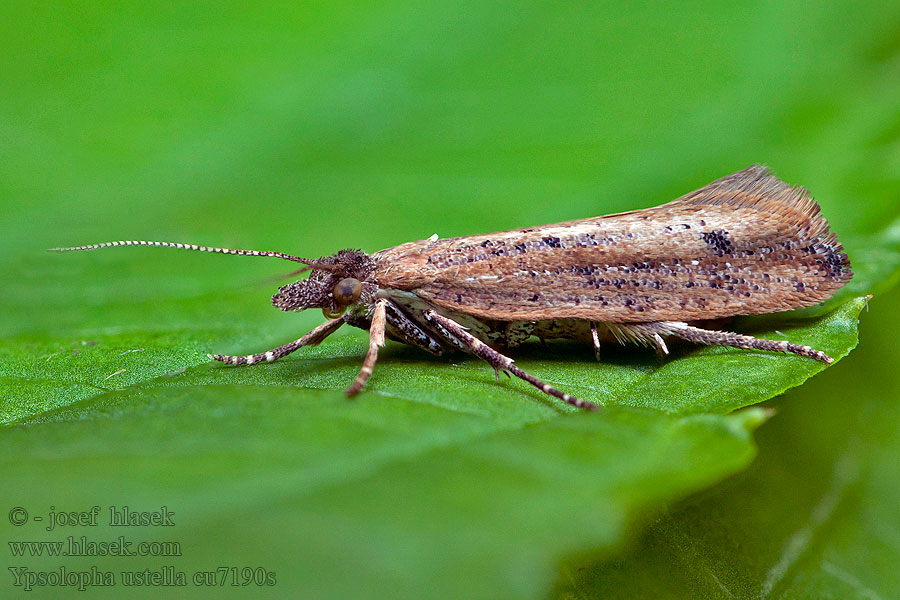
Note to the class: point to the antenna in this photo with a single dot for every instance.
(311, 263)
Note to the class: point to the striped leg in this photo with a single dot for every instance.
(451, 329)
(376, 341)
(407, 331)
(313, 338)
(596, 338)
(736, 340)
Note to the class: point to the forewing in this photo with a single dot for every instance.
(745, 244)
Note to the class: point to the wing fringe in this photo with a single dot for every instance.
(758, 188)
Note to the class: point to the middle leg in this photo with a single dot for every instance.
(449, 327)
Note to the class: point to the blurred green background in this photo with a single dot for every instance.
(310, 127)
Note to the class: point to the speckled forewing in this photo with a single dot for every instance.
(745, 244)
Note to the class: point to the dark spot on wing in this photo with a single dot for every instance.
(718, 241)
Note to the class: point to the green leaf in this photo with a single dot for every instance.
(380, 492)
(437, 466)
(311, 128)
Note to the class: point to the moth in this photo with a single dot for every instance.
(745, 244)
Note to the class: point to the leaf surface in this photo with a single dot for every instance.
(312, 128)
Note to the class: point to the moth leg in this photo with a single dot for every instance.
(409, 332)
(596, 338)
(736, 340)
(452, 329)
(659, 345)
(645, 334)
(313, 338)
(651, 334)
(376, 341)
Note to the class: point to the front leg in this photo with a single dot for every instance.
(451, 329)
(376, 341)
(313, 338)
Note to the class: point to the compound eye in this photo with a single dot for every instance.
(347, 291)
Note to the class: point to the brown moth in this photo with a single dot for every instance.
(744, 244)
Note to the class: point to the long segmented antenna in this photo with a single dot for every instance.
(311, 263)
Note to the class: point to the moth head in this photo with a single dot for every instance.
(335, 283)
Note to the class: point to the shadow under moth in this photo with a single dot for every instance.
(744, 244)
